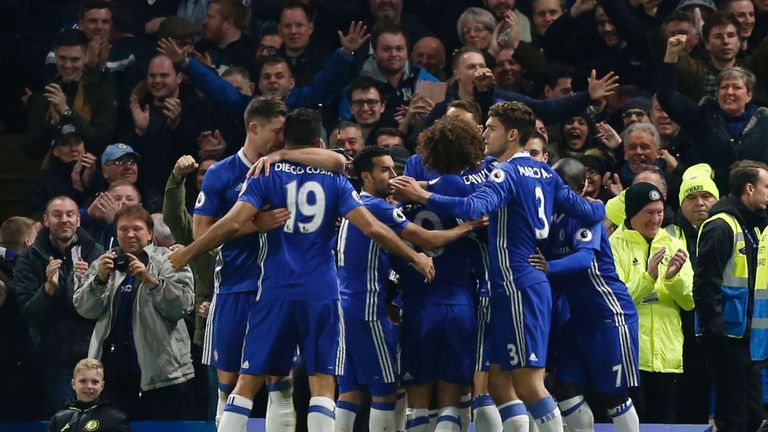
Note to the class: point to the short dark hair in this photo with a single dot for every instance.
(87, 5)
(515, 115)
(302, 127)
(389, 28)
(308, 12)
(135, 211)
(450, 146)
(276, 60)
(71, 37)
(744, 172)
(561, 71)
(390, 131)
(263, 109)
(468, 106)
(237, 70)
(234, 10)
(363, 161)
(463, 50)
(364, 82)
(15, 229)
(269, 28)
(717, 19)
(58, 198)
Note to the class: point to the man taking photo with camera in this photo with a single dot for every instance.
(139, 302)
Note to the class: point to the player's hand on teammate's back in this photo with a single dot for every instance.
(425, 266)
(267, 220)
(478, 223)
(538, 261)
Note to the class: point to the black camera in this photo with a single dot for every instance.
(121, 261)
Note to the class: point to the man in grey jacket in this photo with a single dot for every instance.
(139, 302)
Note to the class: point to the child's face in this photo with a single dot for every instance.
(88, 384)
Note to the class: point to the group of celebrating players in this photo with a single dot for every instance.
(511, 254)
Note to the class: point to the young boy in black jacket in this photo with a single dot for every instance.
(87, 413)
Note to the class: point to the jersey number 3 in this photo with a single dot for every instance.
(298, 201)
(542, 215)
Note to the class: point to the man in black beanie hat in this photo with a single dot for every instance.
(655, 267)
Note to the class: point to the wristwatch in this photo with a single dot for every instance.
(67, 113)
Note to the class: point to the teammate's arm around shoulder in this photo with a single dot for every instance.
(321, 158)
(386, 238)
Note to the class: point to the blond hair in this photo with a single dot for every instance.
(86, 364)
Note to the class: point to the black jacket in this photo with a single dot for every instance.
(64, 334)
(714, 250)
(52, 182)
(97, 132)
(712, 142)
(87, 417)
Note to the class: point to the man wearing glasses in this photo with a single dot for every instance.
(120, 163)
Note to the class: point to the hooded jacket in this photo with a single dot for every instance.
(64, 334)
(159, 332)
(658, 302)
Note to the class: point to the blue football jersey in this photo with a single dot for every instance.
(596, 294)
(236, 267)
(297, 261)
(363, 265)
(520, 197)
(415, 168)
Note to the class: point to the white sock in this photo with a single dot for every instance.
(433, 420)
(224, 391)
(236, 414)
(486, 415)
(465, 411)
(547, 415)
(532, 424)
(624, 417)
(514, 417)
(448, 420)
(577, 414)
(418, 420)
(345, 415)
(281, 417)
(400, 410)
(321, 416)
(382, 417)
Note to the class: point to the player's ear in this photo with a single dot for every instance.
(253, 127)
(319, 143)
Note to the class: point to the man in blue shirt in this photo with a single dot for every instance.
(236, 270)
(598, 346)
(371, 338)
(520, 197)
(297, 295)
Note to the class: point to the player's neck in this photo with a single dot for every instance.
(250, 152)
(511, 150)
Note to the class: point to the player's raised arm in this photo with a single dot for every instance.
(386, 238)
(571, 204)
(221, 231)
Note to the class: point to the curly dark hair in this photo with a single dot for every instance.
(451, 146)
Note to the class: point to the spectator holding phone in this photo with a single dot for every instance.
(139, 302)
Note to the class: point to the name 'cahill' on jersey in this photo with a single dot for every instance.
(297, 261)
(236, 266)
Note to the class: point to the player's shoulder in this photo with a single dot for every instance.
(372, 202)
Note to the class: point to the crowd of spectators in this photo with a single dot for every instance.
(126, 104)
